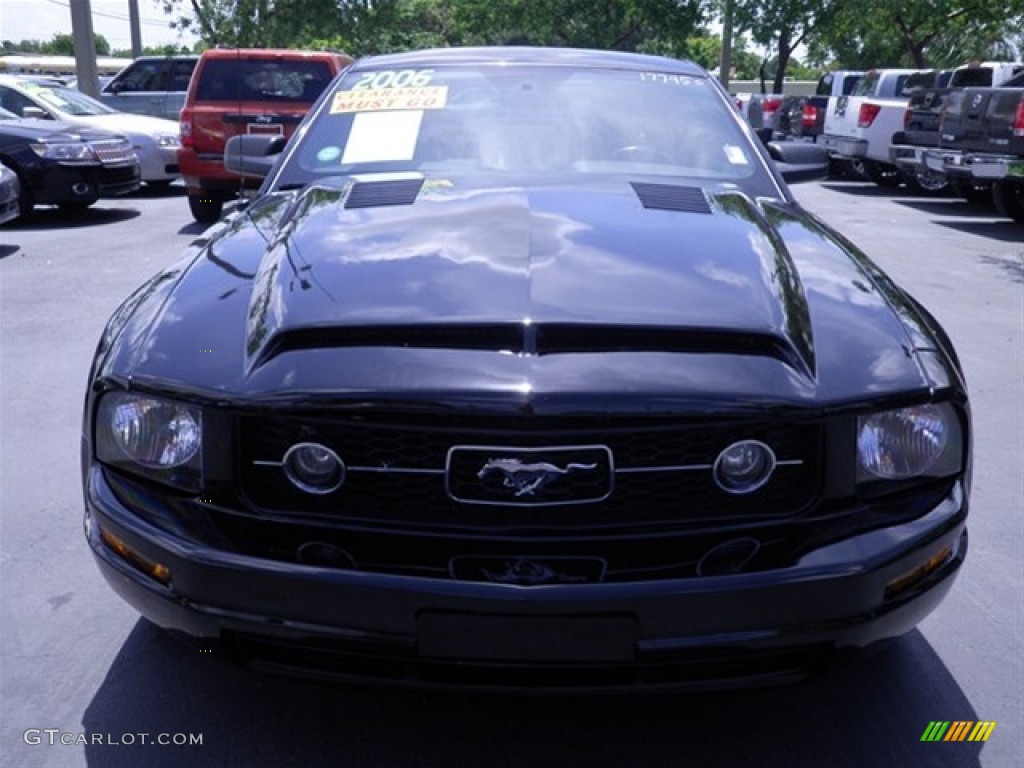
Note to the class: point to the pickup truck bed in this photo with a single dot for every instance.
(920, 133)
(982, 139)
(921, 126)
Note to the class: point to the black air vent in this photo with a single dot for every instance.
(441, 336)
(545, 339)
(669, 197)
(371, 194)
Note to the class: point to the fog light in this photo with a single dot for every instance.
(314, 468)
(744, 467)
(140, 562)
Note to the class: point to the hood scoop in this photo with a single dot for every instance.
(375, 194)
(537, 339)
(671, 197)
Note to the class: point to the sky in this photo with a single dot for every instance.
(42, 19)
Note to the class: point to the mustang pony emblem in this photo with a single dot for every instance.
(528, 478)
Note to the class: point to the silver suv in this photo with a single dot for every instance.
(151, 85)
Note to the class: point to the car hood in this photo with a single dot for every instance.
(407, 284)
(31, 129)
(130, 124)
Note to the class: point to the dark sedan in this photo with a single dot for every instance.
(526, 371)
(71, 167)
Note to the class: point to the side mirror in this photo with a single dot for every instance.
(114, 88)
(252, 155)
(35, 113)
(799, 160)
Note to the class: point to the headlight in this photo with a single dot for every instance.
(157, 437)
(168, 140)
(66, 151)
(920, 441)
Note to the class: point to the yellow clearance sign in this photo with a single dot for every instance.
(384, 99)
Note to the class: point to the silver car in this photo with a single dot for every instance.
(154, 139)
(150, 85)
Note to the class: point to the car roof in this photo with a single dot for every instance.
(168, 57)
(24, 78)
(267, 53)
(578, 57)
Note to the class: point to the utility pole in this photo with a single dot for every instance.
(725, 63)
(133, 16)
(85, 47)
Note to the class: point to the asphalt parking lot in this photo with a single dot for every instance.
(79, 666)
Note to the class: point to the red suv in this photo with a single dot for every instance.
(243, 90)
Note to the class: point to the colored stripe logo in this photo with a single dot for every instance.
(958, 730)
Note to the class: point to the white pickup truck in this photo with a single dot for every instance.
(859, 127)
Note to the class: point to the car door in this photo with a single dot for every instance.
(176, 79)
(138, 88)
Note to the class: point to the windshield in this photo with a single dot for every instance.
(66, 100)
(536, 120)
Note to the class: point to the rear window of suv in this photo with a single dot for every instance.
(270, 80)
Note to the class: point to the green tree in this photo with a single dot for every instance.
(921, 33)
(274, 23)
(625, 25)
(706, 50)
(368, 26)
(25, 46)
(63, 45)
(782, 26)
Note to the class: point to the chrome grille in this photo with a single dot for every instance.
(114, 151)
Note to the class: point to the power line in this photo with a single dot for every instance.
(118, 17)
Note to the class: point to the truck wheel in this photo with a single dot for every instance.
(854, 170)
(927, 182)
(1009, 199)
(973, 193)
(205, 207)
(883, 174)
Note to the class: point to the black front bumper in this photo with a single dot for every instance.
(703, 632)
(56, 183)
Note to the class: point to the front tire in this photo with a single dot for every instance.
(1009, 199)
(975, 194)
(205, 207)
(26, 202)
(854, 169)
(75, 206)
(927, 182)
(883, 174)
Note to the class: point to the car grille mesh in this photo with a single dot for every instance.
(662, 477)
(113, 151)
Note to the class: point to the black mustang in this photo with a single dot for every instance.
(525, 370)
